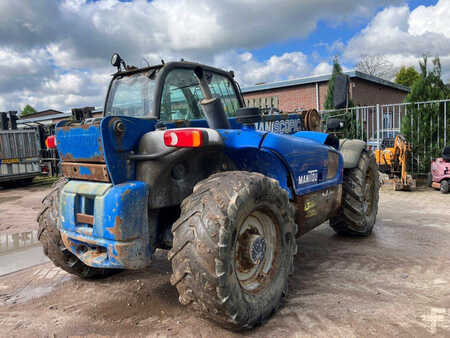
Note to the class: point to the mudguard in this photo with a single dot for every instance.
(351, 152)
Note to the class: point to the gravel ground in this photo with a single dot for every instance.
(394, 283)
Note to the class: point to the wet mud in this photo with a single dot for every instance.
(394, 283)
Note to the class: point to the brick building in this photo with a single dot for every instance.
(310, 92)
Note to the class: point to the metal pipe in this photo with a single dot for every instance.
(317, 97)
(445, 123)
(149, 157)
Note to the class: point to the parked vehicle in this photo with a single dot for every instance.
(177, 162)
(19, 152)
(392, 159)
(439, 177)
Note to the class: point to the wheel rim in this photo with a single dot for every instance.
(256, 252)
(369, 189)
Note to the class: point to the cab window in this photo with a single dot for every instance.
(181, 95)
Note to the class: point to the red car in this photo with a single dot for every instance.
(439, 177)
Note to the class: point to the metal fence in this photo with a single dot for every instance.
(426, 126)
(19, 154)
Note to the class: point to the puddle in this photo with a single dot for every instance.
(18, 241)
(20, 251)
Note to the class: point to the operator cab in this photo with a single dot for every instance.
(170, 92)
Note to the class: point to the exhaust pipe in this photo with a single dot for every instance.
(212, 107)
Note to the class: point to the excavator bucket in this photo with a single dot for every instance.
(409, 185)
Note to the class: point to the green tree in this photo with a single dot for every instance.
(337, 69)
(406, 76)
(423, 125)
(28, 110)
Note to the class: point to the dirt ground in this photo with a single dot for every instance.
(19, 207)
(394, 283)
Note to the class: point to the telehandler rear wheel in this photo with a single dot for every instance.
(51, 241)
(234, 246)
(360, 193)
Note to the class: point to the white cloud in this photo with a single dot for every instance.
(250, 71)
(404, 36)
(322, 68)
(59, 51)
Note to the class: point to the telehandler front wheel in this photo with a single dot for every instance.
(234, 247)
(360, 193)
(51, 241)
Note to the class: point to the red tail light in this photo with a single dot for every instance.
(50, 142)
(183, 138)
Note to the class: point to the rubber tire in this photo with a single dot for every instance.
(444, 187)
(430, 180)
(202, 256)
(352, 220)
(51, 241)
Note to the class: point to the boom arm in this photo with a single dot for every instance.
(401, 147)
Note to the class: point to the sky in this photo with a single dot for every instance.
(55, 54)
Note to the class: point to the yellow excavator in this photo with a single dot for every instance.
(392, 160)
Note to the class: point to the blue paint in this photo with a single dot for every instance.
(85, 171)
(282, 157)
(78, 143)
(303, 156)
(93, 143)
(297, 160)
(120, 223)
(313, 135)
(118, 147)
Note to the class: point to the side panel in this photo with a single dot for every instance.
(315, 208)
(307, 160)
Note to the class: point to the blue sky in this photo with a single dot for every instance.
(64, 62)
(325, 34)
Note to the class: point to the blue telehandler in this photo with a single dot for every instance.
(177, 162)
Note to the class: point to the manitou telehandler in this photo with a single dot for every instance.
(178, 162)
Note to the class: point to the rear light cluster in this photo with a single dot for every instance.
(50, 142)
(184, 138)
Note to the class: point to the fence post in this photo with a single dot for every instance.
(445, 123)
(378, 126)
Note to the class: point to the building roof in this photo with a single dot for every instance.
(44, 113)
(322, 78)
(46, 117)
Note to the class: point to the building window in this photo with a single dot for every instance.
(264, 102)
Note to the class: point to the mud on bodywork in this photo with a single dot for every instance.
(100, 151)
(106, 226)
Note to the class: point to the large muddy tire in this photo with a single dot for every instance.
(234, 247)
(51, 241)
(444, 187)
(360, 193)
